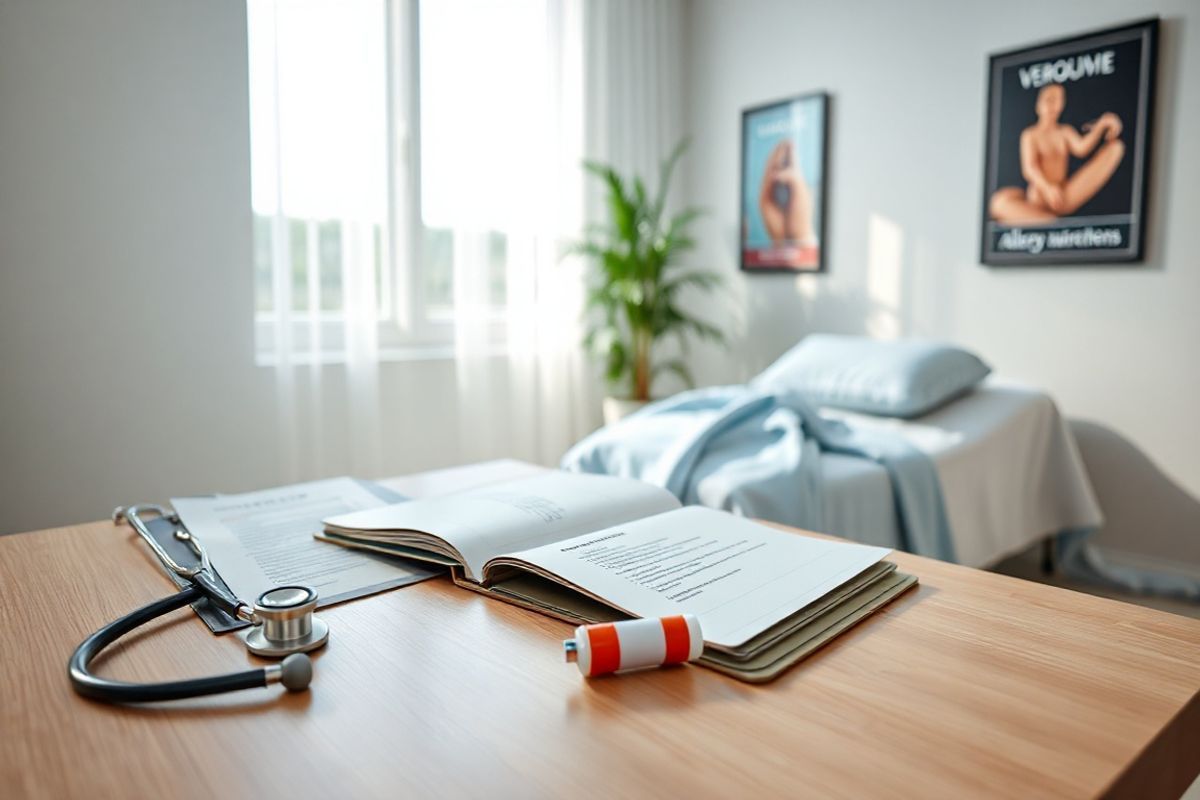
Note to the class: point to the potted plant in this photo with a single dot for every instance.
(635, 284)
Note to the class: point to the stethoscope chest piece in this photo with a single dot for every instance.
(288, 625)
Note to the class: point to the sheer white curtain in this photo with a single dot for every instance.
(318, 84)
(633, 86)
(514, 96)
(597, 80)
(504, 174)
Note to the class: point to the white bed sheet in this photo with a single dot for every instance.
(1008, 465)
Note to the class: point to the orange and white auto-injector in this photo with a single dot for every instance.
(619, 646)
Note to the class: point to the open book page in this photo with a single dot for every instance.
(737, 576)
(517, 515)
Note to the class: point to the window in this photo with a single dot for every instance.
(389, 142)
(320, 182)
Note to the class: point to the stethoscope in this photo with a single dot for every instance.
(284, 627)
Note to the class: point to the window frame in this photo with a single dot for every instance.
(408, 328)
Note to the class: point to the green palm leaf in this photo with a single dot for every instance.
(632, 297)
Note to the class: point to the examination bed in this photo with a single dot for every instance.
(1008, 471)
(1008, 466)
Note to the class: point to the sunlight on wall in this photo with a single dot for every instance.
(806, 287)
(930, 289)
(885, 267)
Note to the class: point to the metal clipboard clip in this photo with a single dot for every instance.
(178, 554)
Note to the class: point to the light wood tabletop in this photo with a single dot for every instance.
(974, 684)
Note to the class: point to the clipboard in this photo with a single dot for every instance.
(162, 530)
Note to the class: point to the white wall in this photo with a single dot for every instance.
(126, 352)
(1119, 345)
(126, 341)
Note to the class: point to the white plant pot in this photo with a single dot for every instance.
(617, 408)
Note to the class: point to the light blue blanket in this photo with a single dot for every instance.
(758, 454)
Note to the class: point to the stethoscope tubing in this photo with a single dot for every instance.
(92, 686)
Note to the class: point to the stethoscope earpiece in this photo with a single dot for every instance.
(295, 672)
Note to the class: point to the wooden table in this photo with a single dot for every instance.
(975, 684)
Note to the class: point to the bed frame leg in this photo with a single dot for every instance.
(1049, 567)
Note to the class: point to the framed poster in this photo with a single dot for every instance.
(1068, 148)
(783, 185)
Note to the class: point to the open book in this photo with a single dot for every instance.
(590, 548)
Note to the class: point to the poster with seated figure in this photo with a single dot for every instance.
(783, 185)
(1067, 160)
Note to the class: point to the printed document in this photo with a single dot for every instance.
(259, 540)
